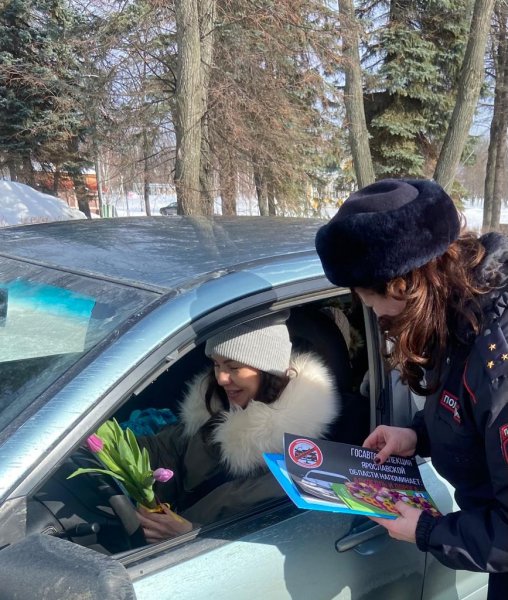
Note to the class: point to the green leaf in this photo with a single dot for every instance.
(145, 461)
(80, 471)
(125, 452)
(136, 451)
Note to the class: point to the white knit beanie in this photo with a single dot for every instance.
(262, 344)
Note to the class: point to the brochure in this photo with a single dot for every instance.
(336, 477)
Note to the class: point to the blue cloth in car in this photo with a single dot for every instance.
(149, 421)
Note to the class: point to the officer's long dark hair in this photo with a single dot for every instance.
(442, 305)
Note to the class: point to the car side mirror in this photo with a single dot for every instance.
(60, 570)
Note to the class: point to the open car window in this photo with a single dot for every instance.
(48, 320)
(332, 330)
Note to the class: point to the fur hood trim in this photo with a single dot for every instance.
(307, 406)
(493, 270)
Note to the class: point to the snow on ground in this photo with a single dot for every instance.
(474, 215)
(21, 204)
(133, 206)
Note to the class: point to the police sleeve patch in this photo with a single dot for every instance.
(493, 350)
(451, 404)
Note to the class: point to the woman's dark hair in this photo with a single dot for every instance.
(442, 303)
(271, 387)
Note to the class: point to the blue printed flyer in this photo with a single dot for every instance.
(343, 478)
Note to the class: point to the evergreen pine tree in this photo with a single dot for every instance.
(40, 92)
(420, 50)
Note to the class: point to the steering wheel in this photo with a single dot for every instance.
(90, 509)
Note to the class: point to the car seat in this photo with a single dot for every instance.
(311, 330)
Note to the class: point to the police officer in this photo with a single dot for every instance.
(441, 296)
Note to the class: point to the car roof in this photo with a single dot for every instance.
(158, 252)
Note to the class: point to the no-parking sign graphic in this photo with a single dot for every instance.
(305, 453)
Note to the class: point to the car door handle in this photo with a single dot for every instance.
(359, 536)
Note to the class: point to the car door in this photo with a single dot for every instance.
(283, 552)
(441, 583)
(286, 554)
(276, 551)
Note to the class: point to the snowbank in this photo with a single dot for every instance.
(20, 204)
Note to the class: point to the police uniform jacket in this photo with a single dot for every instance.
(464, 428)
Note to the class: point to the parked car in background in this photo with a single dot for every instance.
(170, 209)
(106, 317)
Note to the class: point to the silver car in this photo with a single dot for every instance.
(102, 318)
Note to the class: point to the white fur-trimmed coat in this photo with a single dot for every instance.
(307, 406)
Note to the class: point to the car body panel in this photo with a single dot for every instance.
(295, 559)
(23, 450)
(204, 275)
(440, 580)
(159, 252)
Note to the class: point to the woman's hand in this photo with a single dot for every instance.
(387, 440)
(162, 526)
(404, 527)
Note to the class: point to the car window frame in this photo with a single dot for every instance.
(205, 539)
(149, 368)
(185, 337)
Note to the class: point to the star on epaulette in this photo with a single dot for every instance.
(493, 349)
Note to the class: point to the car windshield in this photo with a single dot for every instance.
(48, 320)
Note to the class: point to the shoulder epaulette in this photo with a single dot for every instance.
(493, 349)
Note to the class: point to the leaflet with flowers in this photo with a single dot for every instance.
(336, 477)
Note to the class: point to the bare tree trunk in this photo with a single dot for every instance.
(206, 181)
(189, 103)
(56, 180)
(98, 175)
(502, 74)
(28, 171)
(12, 167)
(260, 190)
(499, 178)
(488, 194)
(353, 96)
(146, 174)
(467, 96)
(207, 21)
(228, 184)
(272, 208)
(81, 194)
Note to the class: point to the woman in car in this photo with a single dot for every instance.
(256, 391)
(441, 296)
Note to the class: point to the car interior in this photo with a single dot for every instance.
(92, 509)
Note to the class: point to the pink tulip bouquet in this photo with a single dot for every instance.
(123, 459)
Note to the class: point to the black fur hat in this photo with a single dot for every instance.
(386, 230)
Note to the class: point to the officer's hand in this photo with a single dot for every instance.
(404, 527)
(387, 440)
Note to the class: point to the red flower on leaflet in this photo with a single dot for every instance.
(94, 443)
(162, 475)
